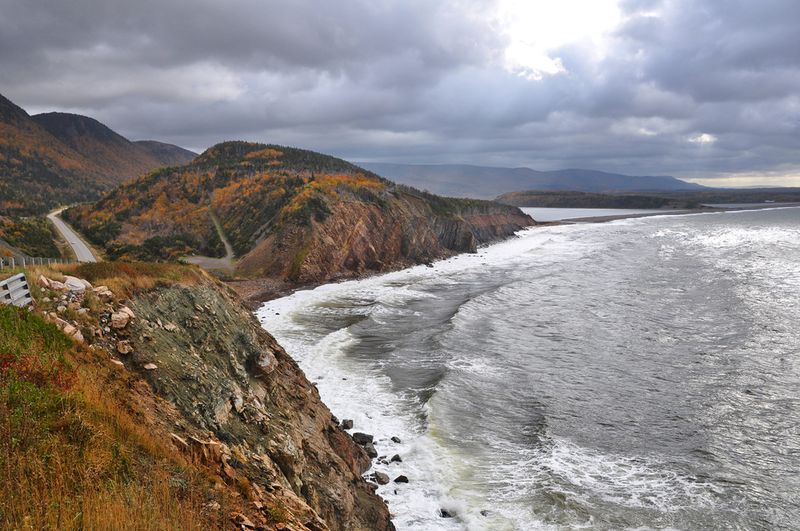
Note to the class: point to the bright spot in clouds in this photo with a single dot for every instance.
(536, 29)
(703, 139)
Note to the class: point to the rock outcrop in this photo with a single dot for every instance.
(249, 411)
(202, 373)
(360, 237)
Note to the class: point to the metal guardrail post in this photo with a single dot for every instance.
(15, 290)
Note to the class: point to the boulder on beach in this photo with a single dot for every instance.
(380, 478)
(371, 451)
(362, 438)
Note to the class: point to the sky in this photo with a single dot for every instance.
(704, 90)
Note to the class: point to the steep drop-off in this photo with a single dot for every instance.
(176, 390)
(289, 214)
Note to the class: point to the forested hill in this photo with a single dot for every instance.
(112, 154)
(56, 158)
(568, 199)
(288, 213)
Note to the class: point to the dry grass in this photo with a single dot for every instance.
(126, 279)
(73, 454)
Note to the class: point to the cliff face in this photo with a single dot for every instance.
(358, 237)
(216, 395)
(231, 379)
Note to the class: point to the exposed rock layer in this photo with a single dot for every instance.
(360, 237)
(250, 412)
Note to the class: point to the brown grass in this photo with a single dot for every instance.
(74, 451)
(124, 279)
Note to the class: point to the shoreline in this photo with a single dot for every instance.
(371, 417)
(686, 212)
(257, 291)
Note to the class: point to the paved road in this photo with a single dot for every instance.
(82, 251)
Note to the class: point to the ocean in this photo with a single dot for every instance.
(641, 373)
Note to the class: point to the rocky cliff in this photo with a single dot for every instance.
(358, 237)
(229, 378)
(186, 359)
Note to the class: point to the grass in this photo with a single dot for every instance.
(126, 279)
(74, 451)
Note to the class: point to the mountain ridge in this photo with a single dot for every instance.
(59, 158)
(485, 182)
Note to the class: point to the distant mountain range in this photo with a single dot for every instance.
(460, 180)
(58, 158)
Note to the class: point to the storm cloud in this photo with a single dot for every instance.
(699, 90)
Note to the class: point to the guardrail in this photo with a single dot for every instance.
(14, 262)
(15, 290)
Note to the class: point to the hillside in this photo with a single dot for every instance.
(38, 171)
(146, 396)
(166, 154)
(567, 199)
(113, 155)
(57, 158)
(288, 213)
(487, 182)
(27, 236)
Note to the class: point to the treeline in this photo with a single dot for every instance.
(685, 199)
(570, 199)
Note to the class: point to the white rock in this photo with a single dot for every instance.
(103, 293)
(77, 336)
(75, 283)
(119, 320)
(151, 367)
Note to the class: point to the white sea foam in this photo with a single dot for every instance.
(356, 387)
(362, 393)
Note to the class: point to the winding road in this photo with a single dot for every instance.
(82, 251)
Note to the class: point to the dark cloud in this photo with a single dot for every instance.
(695, 89)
